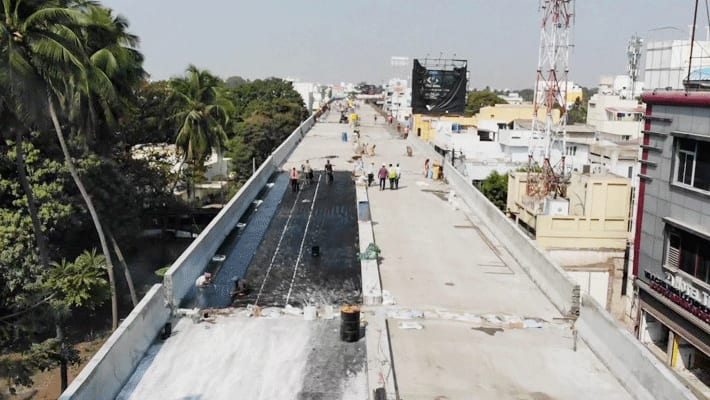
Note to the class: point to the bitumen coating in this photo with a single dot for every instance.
(239, 247)
(286, 268)
(274, 250)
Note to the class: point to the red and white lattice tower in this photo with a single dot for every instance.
(550, 94)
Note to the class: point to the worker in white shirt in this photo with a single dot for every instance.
(204, 280)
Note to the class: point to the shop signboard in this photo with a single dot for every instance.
(682, 292)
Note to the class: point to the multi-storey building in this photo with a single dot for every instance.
(672, 246)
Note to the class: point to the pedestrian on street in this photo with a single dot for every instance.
(398, 172)
(392, 176)
(294, 180)
(382, 174)
(426, 168)
(328, 171)
(371, 174)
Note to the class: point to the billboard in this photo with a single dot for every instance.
(439, 90)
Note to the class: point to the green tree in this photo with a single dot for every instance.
(527, 94)
(495, 188)
(266, 112)
(202, 114)
(479, 99)
(577, 114)
(147, 118)
(234, 82)
(47, 48)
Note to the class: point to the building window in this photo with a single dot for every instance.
(688, 253)
(693, 163)
(571, 150)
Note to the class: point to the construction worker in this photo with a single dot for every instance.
(308, 171)
(329, 171)
(241, 288)
(392, 176)
(398, 173)
(371, 174)
(382, 174)
(204, 280)
(294, 180)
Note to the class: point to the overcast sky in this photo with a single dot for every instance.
(333, 41)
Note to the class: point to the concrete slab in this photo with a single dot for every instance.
(441, 263)
(450, 360)
(251, 358)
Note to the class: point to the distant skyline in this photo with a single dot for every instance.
(336, 41)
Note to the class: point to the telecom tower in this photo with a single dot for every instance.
(633, 52)
(553, 65)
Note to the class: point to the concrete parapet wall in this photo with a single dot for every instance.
(109, 369)
(643, 375)
(547, 275)
(282, 152)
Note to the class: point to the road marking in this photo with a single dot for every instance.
(303, 240)
(278, 245)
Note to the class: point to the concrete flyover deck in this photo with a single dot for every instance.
(460, 319)
(467, 322)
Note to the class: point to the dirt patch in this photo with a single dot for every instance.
(48, 383)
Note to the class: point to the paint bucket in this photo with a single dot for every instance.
(309, 313)
(350, 324)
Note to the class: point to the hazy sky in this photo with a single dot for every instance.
(332, 41)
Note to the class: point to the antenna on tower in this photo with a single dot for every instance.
(552, 69)
(633, 52)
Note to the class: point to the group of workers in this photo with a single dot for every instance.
(393, 173)
(240, 289)
(307, 172)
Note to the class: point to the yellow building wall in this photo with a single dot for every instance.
(598, 217)
(509, 112)
(423, 124)
(573, 95)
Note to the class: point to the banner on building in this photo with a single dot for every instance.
(439, 88)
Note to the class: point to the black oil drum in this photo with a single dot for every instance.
(350, 324)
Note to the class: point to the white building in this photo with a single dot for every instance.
(398, 99)
(505, 148)
(614, 112)
(217, 168)
(667, 63)
(306, 90)
(511, 97)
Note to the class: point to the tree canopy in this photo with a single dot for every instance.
(479, 99)
(74, 100)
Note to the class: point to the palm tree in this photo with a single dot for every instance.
(38, 47)
(44, 51)
(114, 70)
(202, 116)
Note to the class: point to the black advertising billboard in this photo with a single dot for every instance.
(439, 91)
